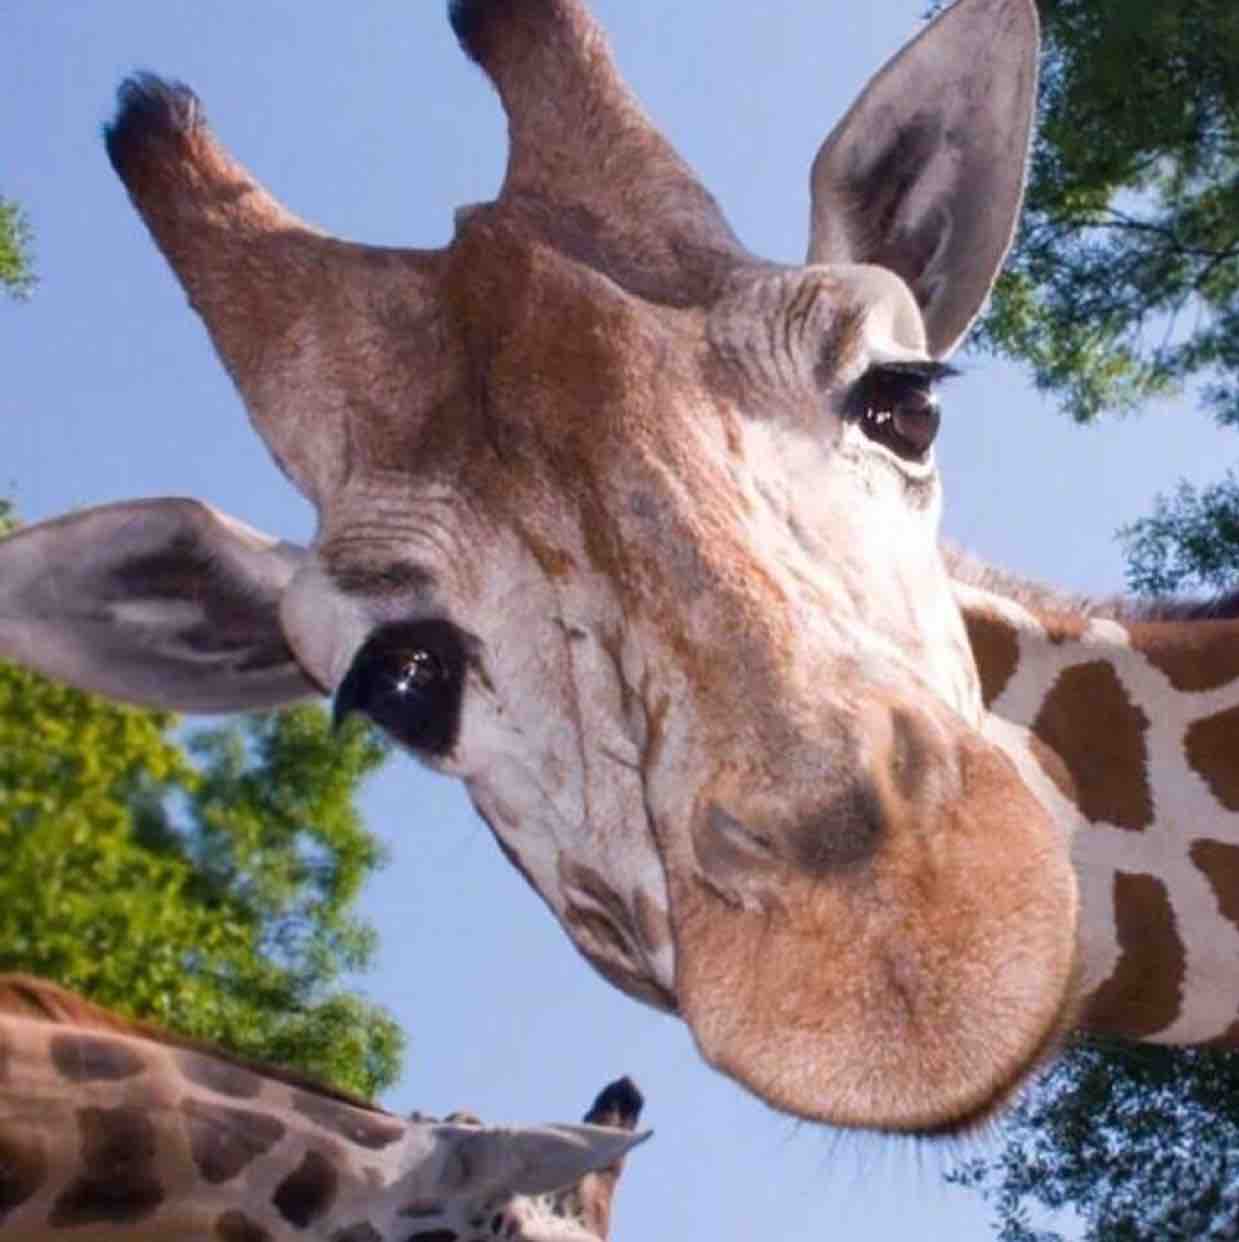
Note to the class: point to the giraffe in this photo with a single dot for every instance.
(112, 1129)
(636, 534)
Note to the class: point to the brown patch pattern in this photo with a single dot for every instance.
(307, 1192)
(235, 1226)
(223, 1140)
(372, 1130)
(1202, 655)
(6, 1055)
(119, 1184)
(1220, 864)
(1212, 747)
(23, 1170)
(93, 1058)
(1144, 994)
(996, 650)
(222, 1077)
(1090, 722)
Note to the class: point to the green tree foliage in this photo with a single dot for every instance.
(16, 273)
(1189, 542)
(1124, 281)
(1142, 1142)
(208, 887)
(1123, 284)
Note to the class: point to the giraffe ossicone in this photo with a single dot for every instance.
(637, 534)
(111, 1129)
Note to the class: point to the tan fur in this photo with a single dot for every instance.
(106, 1132)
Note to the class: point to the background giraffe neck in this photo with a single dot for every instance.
(1124, 720)
(106, 1134)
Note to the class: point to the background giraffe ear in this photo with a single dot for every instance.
(165, 603)
(925, 174)
(532, 1160)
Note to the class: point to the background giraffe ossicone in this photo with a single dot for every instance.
(112, 1129)
(637, 535)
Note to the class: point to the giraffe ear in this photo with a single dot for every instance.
(925, 174)
(532, 1160)
(164, 603)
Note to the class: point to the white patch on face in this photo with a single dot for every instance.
(324, 627)
(859, 555)
(547, 749)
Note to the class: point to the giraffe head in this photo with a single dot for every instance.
(636, 534)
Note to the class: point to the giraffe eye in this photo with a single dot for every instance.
(408, 679)
(896, 406)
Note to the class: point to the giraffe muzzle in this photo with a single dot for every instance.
(899, 959)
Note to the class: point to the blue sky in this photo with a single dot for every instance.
(366, 120)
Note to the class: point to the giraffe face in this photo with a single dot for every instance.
(657, 629)
(636, 534)
(701, 667)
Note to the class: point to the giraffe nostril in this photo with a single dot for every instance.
(840, 834)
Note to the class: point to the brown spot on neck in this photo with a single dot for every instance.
(119, 1183)
(308, 1191)
(996, 650)
(1212, 747)
(224, 1141)
(1194, 655)
(1219, 863)
(1144, 994)
(1090, 722)
(93, 1058)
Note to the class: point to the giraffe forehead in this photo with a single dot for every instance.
(613, 432)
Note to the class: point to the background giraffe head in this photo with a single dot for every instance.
(636, 534)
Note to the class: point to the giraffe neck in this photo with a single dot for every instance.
(1125, 723)
(110, 1135)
